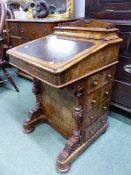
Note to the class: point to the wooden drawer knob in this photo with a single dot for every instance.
(91, 131)
(107, 93)
(33, 32)
(95, 82)
(18, 25)
(109, 75)
(103, 121)
(91, 117)
(105, 108)
(45, 32)
(93, 101)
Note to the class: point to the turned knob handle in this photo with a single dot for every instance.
(45, 32)
(93, 101)
(105, 108)
(107, 93)
(91, 131)
(18, 25)
(109, 75)
(95, 82)
(103, 121)
(33, 32)
(91, 117)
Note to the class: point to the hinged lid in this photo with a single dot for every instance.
(69, 44)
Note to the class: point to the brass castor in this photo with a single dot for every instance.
(28, 128)
(63, 168)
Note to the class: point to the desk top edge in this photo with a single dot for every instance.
(48, 20)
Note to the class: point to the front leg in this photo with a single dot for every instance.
(35, 115)
(65, 157)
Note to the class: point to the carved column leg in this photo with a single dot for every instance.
(76, 140)
(35, 115)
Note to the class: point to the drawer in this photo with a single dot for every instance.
(31, 31)
(122, 93)
(16, 41)
(39, 30)
(123, 69)
(100, 79)
(17, 29)
(13, 29)
(95, 127)
(96, 112)
(98, 96)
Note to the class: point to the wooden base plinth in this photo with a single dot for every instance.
(64, 166)
(29, 124)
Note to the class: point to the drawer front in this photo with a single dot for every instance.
(16, 41)
(18, 34)
(123, 70)
(31, 31)
(17, 29)
(93, 99)
(100, 79)
(105, 57)
(96, 112)
(122, 93)
(96, 126)
(38, 30)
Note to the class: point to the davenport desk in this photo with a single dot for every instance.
(73, 70)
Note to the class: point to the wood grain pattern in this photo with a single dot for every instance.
(28, 30)
(73, 95)
(61, 77)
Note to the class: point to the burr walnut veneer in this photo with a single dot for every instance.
(73, 70)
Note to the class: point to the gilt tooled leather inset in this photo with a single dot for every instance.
(53, 49)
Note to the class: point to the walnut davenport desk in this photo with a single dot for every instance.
(73, 70)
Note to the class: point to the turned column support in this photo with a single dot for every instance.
(76, 140)
(35, 115)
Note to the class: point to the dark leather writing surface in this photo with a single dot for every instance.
(53, 49)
